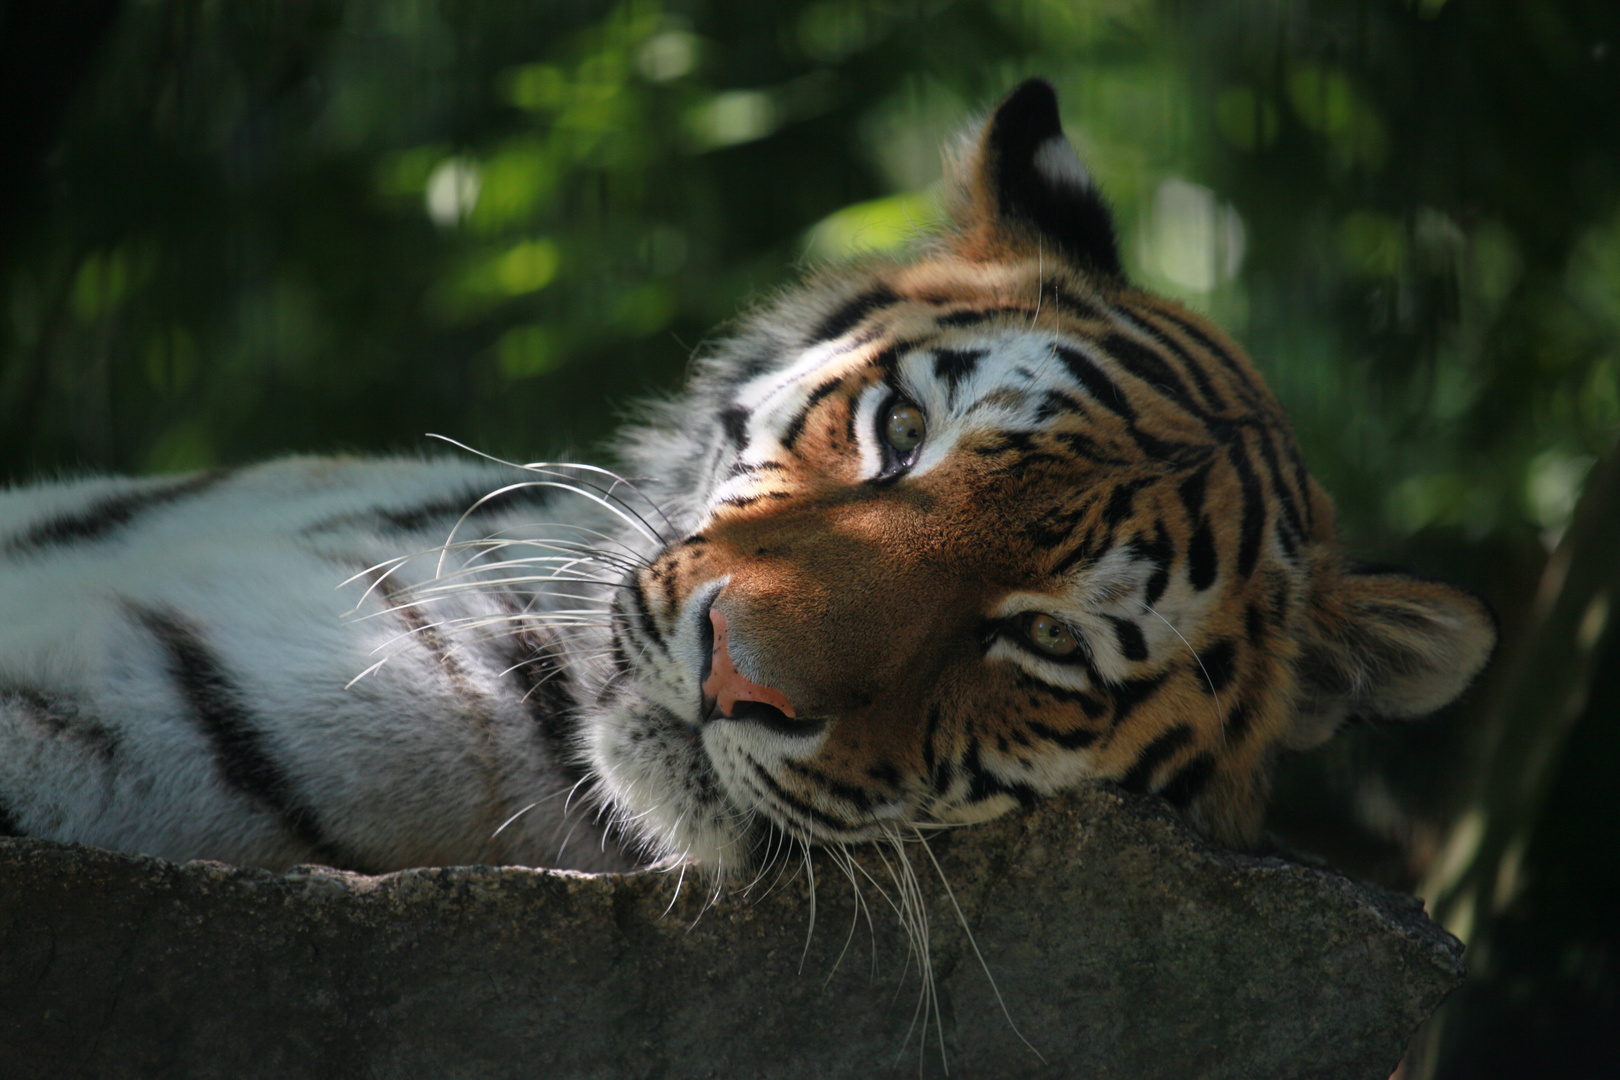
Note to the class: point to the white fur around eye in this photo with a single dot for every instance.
(871, 400)
(1069, 676)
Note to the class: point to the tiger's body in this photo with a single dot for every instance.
(922, 542)
(179, 660)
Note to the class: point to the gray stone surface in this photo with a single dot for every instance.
(1122, 947)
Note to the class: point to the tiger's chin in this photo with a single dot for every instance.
(664, 798)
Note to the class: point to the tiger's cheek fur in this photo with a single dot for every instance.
(853, 604)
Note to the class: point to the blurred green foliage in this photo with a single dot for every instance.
(273, 225)
(325, 225)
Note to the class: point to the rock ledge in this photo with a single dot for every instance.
(1122, 946)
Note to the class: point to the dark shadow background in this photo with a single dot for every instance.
(230, 230)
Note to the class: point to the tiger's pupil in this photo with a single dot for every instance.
(904, 427)
(1049, 635)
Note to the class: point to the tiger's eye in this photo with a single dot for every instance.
(903, 428)
(1049, 635)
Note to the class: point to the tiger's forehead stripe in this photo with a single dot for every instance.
(852, 313)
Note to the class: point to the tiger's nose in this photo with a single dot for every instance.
(729, 693)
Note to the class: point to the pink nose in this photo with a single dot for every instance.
(727, 685)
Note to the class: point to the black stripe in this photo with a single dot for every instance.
(619, 656)
(1157, 583)
(1280, 484)
(8, 821)
(1202, 563)
(1287, 539)
(1254, 623)
(1213, 398)
(1303, 483)
(642, 615)
(1103, 453)
(1024, 464)
(1007, 442)
(537, 665)
(795, 426)
(1150, 367)
(1161, 553)
(1085, 447)
(749, 500)
(1095, 382)
(1006, 739)
(1217, 660)
(1088, 704)
(1128, 635)
(1247, 390)
(1021, 465)
(752, 468)
(1078, 553)
(1053, 299)
(1280, 601)
(821, 817)
(983, 784)
(734, 420)
(1156, 753)
(859, 798)
(1121, 501)
(217, 707)
(843, 320)
(1130, 693)
(1237, 722)
(750, 367)
(1177, 453)
(967, 318)
(1191, 491)
(931, 762)
(886, 774)
(887, 360)
(1254, 506)
(1054, 526)
(1181, 789)
(1105, 392)
(1074, 739)
(954, 365)
(107, 515)
(1056, 403)
(62, 718)
(442, 511)
(1071, 304)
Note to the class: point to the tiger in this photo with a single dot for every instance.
(925, 539)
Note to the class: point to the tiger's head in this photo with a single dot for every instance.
(964, 531)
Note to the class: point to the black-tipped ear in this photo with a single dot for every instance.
(1027, 187)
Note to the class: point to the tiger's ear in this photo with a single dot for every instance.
(1384, 643)
(1022, 189)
